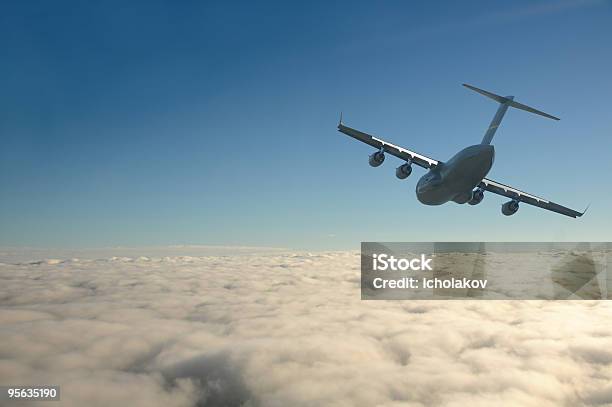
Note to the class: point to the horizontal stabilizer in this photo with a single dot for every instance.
(493, 96)
(531, 110)
(509, 102)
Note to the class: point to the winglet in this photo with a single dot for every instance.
(340, 122)
(586, 209)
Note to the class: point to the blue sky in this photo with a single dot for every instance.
(160, 123)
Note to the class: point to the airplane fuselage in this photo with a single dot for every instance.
(455, 179)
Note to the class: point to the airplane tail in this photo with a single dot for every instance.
(505, 102)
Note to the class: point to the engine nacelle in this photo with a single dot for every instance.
(403, 171)
(510, 208)
(477, 196)
(377, 158)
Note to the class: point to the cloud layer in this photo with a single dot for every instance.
(280, 329)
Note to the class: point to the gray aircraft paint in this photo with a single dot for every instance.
(456, 179)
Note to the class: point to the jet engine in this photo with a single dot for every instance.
(510, 208)
(403, 171)
(377, 158)
(477, 196)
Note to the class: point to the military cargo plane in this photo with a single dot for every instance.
(461, 179)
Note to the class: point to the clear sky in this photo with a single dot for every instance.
(156, 123)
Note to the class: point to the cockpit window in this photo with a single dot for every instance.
(432, 176)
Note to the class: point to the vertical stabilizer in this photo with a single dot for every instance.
(499, 115)
(505, 102)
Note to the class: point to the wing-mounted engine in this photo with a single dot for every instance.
(377, 158)
(477, 196)
(404, 170)
(510, 207)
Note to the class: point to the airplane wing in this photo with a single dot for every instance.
(513, 193)
(389, 148)
(427, 163)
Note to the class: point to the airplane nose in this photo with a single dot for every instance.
(424, 187)
(427, 195)
(428, 185)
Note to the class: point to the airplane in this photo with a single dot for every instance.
(461, 179)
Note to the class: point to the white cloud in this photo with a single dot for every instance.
(279, 329)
